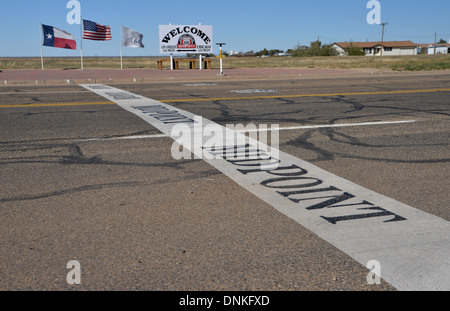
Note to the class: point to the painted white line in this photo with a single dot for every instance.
(306, 127)
(412, 247)
(36, 92)
(201, 84)
(280, 129)
(253, 91)
(127, 137)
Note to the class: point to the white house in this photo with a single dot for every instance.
(439, 49)
(390, 48)
(431, 48)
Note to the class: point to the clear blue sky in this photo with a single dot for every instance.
(243, 24)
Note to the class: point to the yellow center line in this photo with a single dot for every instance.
(235, 98)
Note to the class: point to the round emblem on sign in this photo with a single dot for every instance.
(186, 41)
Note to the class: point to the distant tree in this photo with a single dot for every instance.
(275, 51)
(354, 50)
(262, 52)
(298, 50)
(315, 49)
(268, 52)
(442, 41)
(328, 50)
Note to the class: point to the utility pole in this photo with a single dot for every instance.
(382, 37)
(435, 42)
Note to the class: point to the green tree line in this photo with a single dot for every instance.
(316, 48)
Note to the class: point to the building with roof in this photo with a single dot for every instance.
(387, 48)
(431, 49)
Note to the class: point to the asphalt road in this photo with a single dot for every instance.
(136, 219)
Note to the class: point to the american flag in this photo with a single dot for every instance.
(94, 31)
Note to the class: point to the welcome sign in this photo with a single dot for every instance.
(182, 39)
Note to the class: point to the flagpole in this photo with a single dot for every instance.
(42, 43)
(121, 59)
(81, 40)
(121, 48)
(42, 59)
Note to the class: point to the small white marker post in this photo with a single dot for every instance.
(171, 58)
(121, 50)
(81, 41)
(121, 59)
(200, 67)
(221, 57)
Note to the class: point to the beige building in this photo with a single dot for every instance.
(388, 48)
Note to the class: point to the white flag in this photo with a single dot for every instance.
(131, 38)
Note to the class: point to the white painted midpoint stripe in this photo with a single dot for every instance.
(412, 246)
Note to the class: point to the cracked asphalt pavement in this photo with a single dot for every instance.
(136, 219)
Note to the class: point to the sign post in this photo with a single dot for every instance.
(221, 57)
(200, 66)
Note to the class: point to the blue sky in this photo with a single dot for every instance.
(244, 25)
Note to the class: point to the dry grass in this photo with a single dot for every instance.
(419, 62)
(75, 63)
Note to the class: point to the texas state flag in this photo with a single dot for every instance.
(58, 38)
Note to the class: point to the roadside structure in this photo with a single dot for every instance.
(431, 48)
(390, 48)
